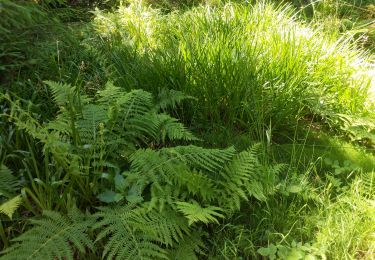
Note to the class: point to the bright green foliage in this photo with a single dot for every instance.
(9, 207)
(135, 233)
(367, 184)
(350, 216)
(248, 65)
(95, 132)
(109, 146)
(54, 236)
(9, 185)
(195, 213)
(106, 172)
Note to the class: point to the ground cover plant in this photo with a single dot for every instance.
(186, 130)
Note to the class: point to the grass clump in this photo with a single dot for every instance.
(250, 66)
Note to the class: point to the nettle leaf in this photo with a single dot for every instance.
(110, 196)
(120, 183)
(134, 194)
(294, 188)
(268, 251)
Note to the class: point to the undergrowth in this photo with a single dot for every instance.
(100, 161)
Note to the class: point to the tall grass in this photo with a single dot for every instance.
(251, 66)
(347, 226)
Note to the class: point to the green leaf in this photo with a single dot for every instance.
(110, 196)
(134, 194)
(295, 254)
(120, 183)
(310, 257)
(268, 251)
(294, 188)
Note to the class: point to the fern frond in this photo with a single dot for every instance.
(195, 213)
(167, 226)
(159, 127)
(109, 94)
(60, 125)
(134, 103)
(8, 183)
(54, 236)
(9, 207)
(88, 125)
(189, 247)
(169, 98)
(61, 92)
(24, 120)
(172, 129)
(162, 196)
(239, 180)
(211, 160)
(136, 234)
(149, 166)
(196, 184)
(171, 166)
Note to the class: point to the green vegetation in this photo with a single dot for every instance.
(187, 130)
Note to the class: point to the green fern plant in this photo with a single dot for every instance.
(118, 147)
(54, 236)
(90, 134)
(135, 233)
(9, 184)
(9, 200)
(195, 213)
(9, 207)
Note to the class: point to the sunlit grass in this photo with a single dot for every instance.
(347, 226)
(251, 66)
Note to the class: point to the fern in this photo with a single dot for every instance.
(136, 234)
(189, 247)
(113, 143)
(211, 160)
(239, 180)
(62, 93)
(8, 183)
(170, 99)
(158, 128)
(170, 166)
(88, 124)
(9, 207)
(53, 237)
(196, 184)
(195, 213)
